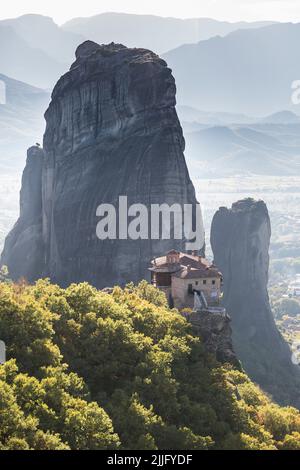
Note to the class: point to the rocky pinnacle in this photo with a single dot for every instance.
(111, 130)
(240, 239)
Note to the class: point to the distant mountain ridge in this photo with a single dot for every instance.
(248, 71)
(236, 79)
(282, 117)
(270, 146)
(22, 62)
(159, 34)
(35, 50)
(242, 68)
(21, 120)
(41, 32)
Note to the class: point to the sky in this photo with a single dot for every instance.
(230, 10)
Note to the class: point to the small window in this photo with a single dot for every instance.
(213, 283)
(190, 288)
(204, 281)
(196, 283)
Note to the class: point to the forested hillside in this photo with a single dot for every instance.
(92, 370)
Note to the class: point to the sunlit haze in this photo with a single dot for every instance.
(230, 10)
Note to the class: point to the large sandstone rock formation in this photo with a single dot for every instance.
(240, 239)
(112, 130)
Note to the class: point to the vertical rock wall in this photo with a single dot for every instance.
(240, 239)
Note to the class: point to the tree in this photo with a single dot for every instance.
(93, 370)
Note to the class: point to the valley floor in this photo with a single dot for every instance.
(281, 194)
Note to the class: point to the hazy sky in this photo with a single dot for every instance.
(232, 10)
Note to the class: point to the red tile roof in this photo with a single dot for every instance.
(189, 266)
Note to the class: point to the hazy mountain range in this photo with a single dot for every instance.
(21, 121)
(40, 32)
(249, 71)
(152, 32)
(267, 146)
(243, 68)
(217, 144)
(225, 84)
(21, 61)
(36, 50)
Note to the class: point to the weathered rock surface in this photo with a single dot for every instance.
(112, 130)
(215, 331)
(240, 239)
(23, 251)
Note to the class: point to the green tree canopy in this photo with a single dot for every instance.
(92, 370)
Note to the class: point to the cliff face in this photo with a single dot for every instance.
(112, 130)
(216, 334)
(24, 251)
(240, 239)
